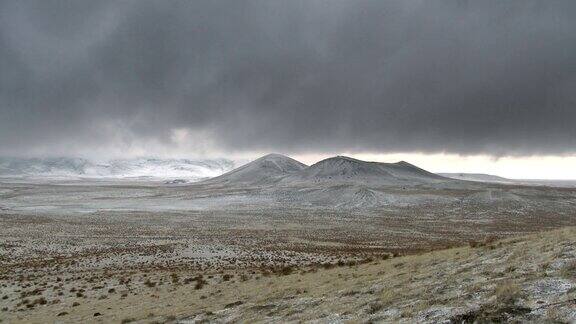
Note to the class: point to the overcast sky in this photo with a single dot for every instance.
(112, 78)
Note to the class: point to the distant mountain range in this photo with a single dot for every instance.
(190, 170)
(276, 180)
(272, 169)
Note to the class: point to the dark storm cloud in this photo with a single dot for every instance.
(496, 77)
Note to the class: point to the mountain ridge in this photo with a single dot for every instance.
(480, 177)
(149, 167)
(283, 170)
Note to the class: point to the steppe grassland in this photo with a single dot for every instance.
(522, 278)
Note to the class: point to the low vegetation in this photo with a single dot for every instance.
(528, 278)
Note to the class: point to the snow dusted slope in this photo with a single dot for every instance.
(342, 169)
(481, 177)
(190, 170)
(266, 169)
(334, 181)
(54, 167)
(340, 182)
(170, 168)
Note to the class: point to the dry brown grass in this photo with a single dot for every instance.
(568, 271)
(408, 286)
(508, 293)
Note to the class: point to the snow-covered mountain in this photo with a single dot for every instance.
(191, 170)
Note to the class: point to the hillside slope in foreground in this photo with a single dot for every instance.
(531, 278)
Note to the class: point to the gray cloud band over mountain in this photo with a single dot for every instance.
(489, 77)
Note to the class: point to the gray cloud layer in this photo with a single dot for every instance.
(496, 77)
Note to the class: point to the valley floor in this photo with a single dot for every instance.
(528, 278)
